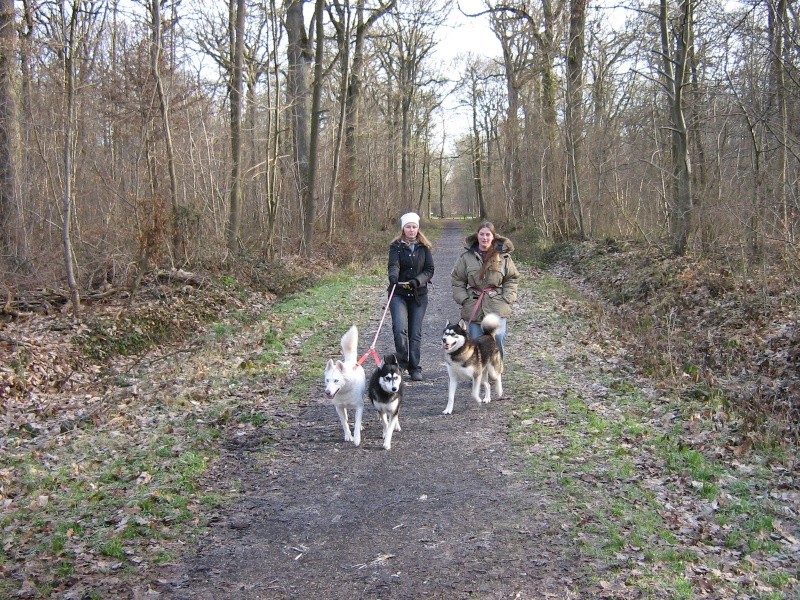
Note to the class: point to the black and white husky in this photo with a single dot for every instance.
(345, 382)
(477, 360)
(386, 392)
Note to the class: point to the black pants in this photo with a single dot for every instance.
(407, 314)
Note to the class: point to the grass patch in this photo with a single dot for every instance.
(125, 487)
(634, 492)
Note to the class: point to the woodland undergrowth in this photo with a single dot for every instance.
(81, 443)
(729, 338)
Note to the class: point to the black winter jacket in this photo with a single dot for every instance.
(405, 265)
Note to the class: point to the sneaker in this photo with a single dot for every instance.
(416, 375)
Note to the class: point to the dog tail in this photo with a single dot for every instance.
(350, 345)
(490, 323)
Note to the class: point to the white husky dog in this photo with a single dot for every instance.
(345, 384)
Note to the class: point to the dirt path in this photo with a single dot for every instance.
(447, 513)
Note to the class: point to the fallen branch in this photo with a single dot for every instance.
(183, 276)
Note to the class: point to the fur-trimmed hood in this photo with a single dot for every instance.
(503, 244)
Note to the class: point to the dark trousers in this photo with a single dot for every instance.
(407, 315)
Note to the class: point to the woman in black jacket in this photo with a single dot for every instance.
(410, 270)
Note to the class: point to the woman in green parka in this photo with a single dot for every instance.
(485, 280)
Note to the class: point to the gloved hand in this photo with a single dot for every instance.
(413, 283)
(392, 281)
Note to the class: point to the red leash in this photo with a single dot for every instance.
(478, 303)
(371, 351)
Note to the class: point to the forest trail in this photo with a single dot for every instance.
(447, 513)
(585, 481)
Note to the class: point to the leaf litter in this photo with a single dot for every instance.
(639, 504)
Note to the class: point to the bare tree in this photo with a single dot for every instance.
(778, 16)
(341, 19)
(473, 83)
(11, 237)
(235, 92)
(156, 57)
(309, 197)
(352, 73)
(408, 44)
(574, 109)
(298, 53)
(69, 16)
(541, 25)
(274, 140)
(676, 46)
(516, 42)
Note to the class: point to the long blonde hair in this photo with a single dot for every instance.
(421, 239)
(491, 253)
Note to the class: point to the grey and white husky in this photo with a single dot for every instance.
(477, 360)
(345, 383)
(385, 390)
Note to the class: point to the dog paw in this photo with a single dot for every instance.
(447, 411)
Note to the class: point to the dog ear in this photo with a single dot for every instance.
(330, 364)
(463, 324)
(390, 359)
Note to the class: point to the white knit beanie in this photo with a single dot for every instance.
(409, 218)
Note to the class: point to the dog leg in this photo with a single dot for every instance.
(498, 386)
(385, 422)
(486, 377)
(357, 426)
(477, 382)
(451, 394)
(392, 425)
(342, 412)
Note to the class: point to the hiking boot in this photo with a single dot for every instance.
(416, 375)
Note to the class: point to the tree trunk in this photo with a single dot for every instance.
(11, 239)
(352, 98)
(574, 111)
(676, 74)
(516, 66)
(69, 125)
(778, 18)
(236, 88)
(343, 32)
(405, 144)
(309, 198)
(271, 181)
(477, 153)
(700, 180)
(178, 245)
(297, 68)
(553, 180)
